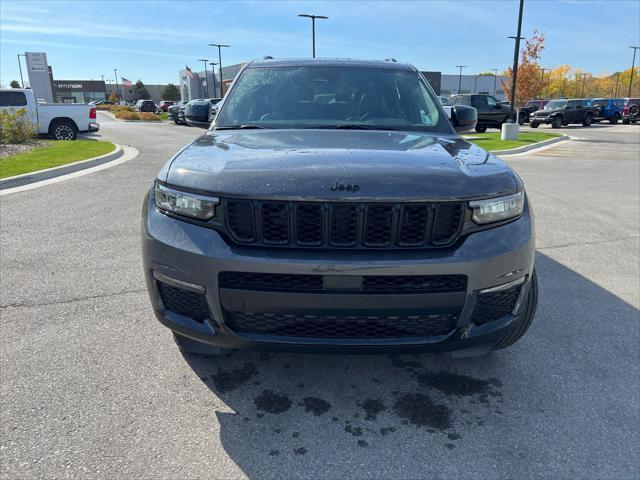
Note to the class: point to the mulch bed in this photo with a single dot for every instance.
(13, 149)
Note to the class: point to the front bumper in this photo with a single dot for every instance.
(191, 257)
(545, 120)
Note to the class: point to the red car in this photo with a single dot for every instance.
(164, 105)
(631, 110)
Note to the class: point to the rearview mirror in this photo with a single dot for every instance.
(463, 118)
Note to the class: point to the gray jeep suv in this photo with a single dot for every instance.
(332, 206)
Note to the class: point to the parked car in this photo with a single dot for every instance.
(214, 108)
(61, 121)
(607, 109)
(173, 112)
(530, 107)
(196, 112)
(145, 106)
(631, 110)
(563, 111)
(490, 113)
(164, 105)
(342, 212)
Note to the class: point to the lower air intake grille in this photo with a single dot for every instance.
(495, 305)
(183, 302)
(326, 326)
(278, 282)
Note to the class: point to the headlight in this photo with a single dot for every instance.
(186, 204)
(497, 209)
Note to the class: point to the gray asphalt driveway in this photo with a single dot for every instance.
(92, 385)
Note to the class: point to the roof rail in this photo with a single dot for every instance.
(391, 59)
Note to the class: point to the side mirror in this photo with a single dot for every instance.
(463, 118)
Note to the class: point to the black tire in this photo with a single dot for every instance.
(63, 130)
(614, 119)
(523, 322)
(481, 128)
(556, 123)
(626, 121)
(187, 345)
(533, 124)
(588, 119)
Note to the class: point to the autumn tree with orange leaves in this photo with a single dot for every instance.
(529, 83)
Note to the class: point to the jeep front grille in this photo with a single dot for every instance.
(343, 225)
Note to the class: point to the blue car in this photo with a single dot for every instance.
(608, 109)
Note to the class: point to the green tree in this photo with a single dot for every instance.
(14, 84)
(140, 91)
(171, 92)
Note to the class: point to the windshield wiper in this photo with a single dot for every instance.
(353, 126)
(239, 127)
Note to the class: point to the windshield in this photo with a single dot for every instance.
(555, 104)
(332, 97)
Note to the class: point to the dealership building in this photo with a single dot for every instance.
(201, 85)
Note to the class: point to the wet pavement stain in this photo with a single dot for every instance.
(387, 430)
(450, 446)
(372, 407)
(398, 362)
(420, 410)
(454, 384)
(355, 431)
(363, 443)
(274, 453)
(272, 402)
(315, 405)
(300, 451)
(295, 434)
(226, 381)
(453, 436)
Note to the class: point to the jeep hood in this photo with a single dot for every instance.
(304, 164)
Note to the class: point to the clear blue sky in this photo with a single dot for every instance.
(152, 40)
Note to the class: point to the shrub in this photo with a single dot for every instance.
(102, 106)
(16, 126)
(126, 115)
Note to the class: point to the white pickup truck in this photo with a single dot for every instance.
(61, 121)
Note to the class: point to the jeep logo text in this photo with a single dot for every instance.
(342, 187)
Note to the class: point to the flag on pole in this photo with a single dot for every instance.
(126, 82)
(189, 72)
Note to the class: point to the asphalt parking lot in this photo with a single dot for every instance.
(92, 386)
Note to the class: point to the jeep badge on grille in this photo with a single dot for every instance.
(344, 187)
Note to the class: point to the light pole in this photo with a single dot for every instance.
(584, 78)
(633, 66)
(20, 67)
(542, 81)
(213, 77)
(313, 28)
(460, 77)
(617, 80)
(475, 84)
(495, 80)
(115, 73)
(220, 47)
(516, 53)
(206, 77)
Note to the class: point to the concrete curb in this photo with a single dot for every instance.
(48, 174)
(528, 148)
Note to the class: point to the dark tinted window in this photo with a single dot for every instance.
(331, 96)
(479, 101)
(13, 99)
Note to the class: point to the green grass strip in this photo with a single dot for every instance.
(52, 154)
(491, 141)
